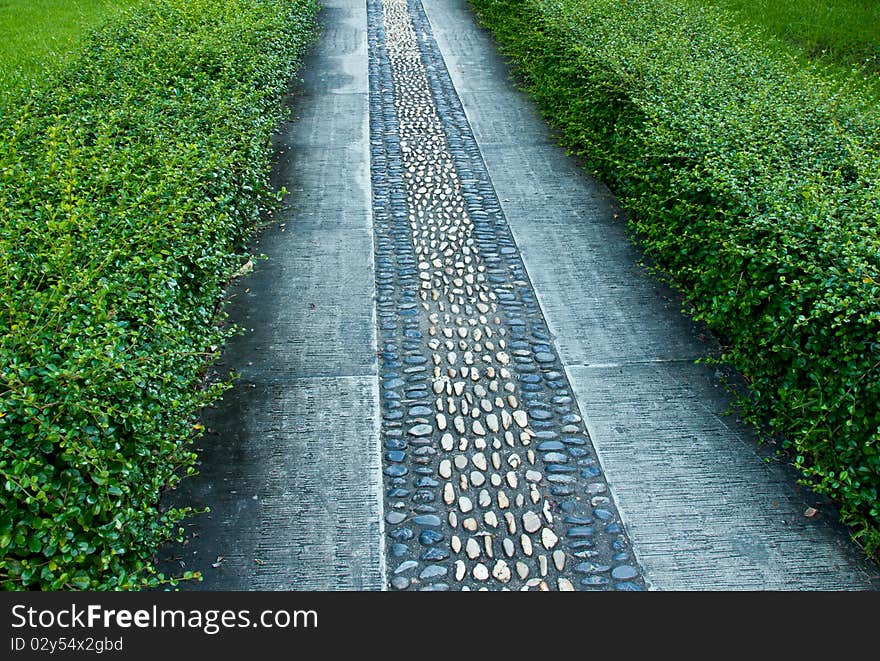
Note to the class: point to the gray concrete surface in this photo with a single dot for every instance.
(290, 466)
(703, 509)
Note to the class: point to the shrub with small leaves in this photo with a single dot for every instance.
(128, 187)
(753, 181)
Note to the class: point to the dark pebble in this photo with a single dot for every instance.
(581, 531)
(435, 553)
(433, 571)
(424, 496)
(402, 534)
(429, 537)
(578, 520)
(624, 572)
(550, 446)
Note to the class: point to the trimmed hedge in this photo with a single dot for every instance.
(128, 188)
(755, 184)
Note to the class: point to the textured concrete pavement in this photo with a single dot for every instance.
(326, 461)
(290, 466)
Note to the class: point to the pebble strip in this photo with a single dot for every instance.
(491, 480)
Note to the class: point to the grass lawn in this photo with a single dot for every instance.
(38, 34)
(842, 32)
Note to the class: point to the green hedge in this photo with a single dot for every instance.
(128, 188)
(755, 184)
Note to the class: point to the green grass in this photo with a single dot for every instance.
(40, 34)
(841, 32)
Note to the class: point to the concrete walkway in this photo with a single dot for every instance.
(290, 466)
(347, 457)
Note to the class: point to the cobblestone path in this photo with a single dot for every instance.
(491, 479)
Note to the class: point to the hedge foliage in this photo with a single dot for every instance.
(128, 187)
(754, 183)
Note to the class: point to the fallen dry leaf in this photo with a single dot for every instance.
(810, 512)
(247, 267)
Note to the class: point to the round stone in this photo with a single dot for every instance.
(559, 560)
(531, 521)
(624, 572)
(501, 571)
(548, 538)
(481, 572)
